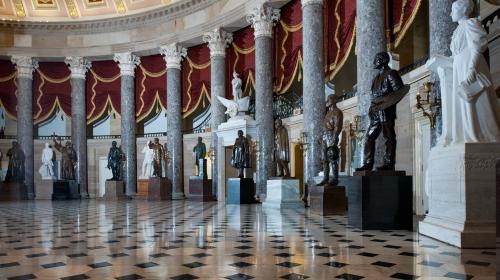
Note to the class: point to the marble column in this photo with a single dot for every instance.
(78, 67)
(127, 63)
(263, 19)
(441, 29)
(313, 84)
(370, 40)
(173, 57)
(217, 40)
(25, 67)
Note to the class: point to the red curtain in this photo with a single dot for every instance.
(241, 59)
(8, 87)
(103, 89)
(150, 86)
(400, 17)
(195, 78)
(51, 90)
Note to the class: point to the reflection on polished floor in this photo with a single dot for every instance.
(184, 240)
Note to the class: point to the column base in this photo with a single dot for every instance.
(178, 196)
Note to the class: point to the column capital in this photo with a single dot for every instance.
(127, 62)
(78, 66)
(312, 2)
(218, 40)
(173, 55)
(25, 65)
(263, 19)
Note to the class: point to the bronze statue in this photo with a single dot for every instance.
(241, 154)
(159, 154)
(387, 82)
(200, 151)
(115, 156)
(68, 160)
(334, 119)
(15, 171)
(281, 151)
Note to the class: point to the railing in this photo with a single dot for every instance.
(489, 20)
(12, 137)
(151, 135)
(285, 104)
(347, 95)
(417, 63)
(102, 137)
(50, 137)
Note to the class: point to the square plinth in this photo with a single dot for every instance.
(65, 190)
(115, 190)
(142, 189)
(328, 200)
(159, 189)
(380, 200)
(13, 191)
(240, 191)
(200, 189)
(43, 190)
(283, 193)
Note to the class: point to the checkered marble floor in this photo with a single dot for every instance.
(91, 239)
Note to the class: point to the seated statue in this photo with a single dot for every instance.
(15, 171)
(240, 158)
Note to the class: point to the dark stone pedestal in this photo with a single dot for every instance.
(159, 189)
(328, 200)
(380, 200)
(64, 190)
(200, 189)
(240, 191)
(13, 191)
(142, 189)
(114, 190)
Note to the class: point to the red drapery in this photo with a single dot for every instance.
(51, 90)
(195, 78)
(103, 89)
(8, 88)
(241, 59)
(150, 86)
(400, 17)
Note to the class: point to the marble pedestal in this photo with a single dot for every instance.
(114, 190)
(283, 193)
(380, 200)
(240, 191)
(461, 187)
(65, 189)
(44, 189)
(13, 191)
(142, 188)
(200, 189)
(159, 189)
(328, 200)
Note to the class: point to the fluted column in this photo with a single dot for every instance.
(25, 67)
(313, 84)
(173, 57)
(218, 41)
(370, 40)
(263, 19)
(79, 67)
(127, 63)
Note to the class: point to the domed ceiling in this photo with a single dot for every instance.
(75, 10)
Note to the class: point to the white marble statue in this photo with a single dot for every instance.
(147, 163)
(237, 84)
(47, 168)
(239, 105)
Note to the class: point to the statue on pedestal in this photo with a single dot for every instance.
(334, 119)
(240, 158)
(159, 154)
(147, 163)
(200, 151)
(387, 90)
(239, 105)
(115, 156)
(68, 160)
(281, 151)
(15, 171)
(47, 168)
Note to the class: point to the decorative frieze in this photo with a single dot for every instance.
(173, 55)
(78, 66)
(127, 63)
(218, 40)
(25, 66)
(263, 19)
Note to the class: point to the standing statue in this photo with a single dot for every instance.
(281, 151)
(159, 155)
(387, 90)
(47, 168)
(334, 119)
(237, 84)
(15, 171)
(200, 151)
(115, 156)
(68, 160)
(240, 158)
(147, 163)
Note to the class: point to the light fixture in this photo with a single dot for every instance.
(430, 108)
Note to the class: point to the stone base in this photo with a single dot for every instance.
(142, 189)
(44, 189)
(329, 200)
(159, 189)
(461, 186)
(283, 193)
(65, 190)
(200, 189)
(240, 191)
(380, 202)
(13, 191)
(114, 190)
